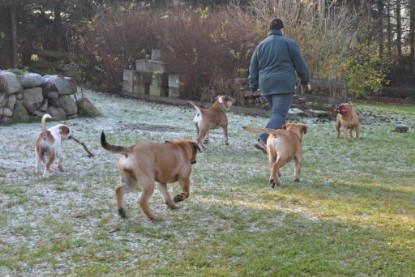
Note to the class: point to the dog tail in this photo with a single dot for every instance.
(198, 117)
(113, 148)
(43, 124)
(195, 106)
(260, 130)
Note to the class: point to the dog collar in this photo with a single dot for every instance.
(184, 149)
(298, 138)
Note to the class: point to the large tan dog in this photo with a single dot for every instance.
(348, 120)
(148, 162)
(212, 118)
(49, 145)
(283, 145)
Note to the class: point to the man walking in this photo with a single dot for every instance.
(273, 71)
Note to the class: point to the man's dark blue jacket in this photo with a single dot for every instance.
(274, 65)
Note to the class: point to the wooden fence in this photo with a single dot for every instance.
(325, 92)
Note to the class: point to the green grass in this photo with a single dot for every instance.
(353, 214)
(410, 109)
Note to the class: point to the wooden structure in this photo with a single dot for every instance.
(325, 92)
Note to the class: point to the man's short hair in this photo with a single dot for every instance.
(276, 24)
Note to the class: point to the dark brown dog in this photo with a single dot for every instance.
(283, 145)
(348, 120)
(212, 118)
(149, 162)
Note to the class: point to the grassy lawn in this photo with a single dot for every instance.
(353, 214)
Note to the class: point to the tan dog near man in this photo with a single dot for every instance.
(49, 145)
(212, 118)
(283, 145)
(348, 120)
(148, 162)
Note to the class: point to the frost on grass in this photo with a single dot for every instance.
(67, 222)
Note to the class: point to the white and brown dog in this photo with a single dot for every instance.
(348, 120)
(283, 145)
(212, 118)
(148, 162)
(49, 145)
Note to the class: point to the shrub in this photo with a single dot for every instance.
(329, 42)
(205, 48)
(113, 41)
(208, 48)
(365, 73)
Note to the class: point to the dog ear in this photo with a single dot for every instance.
(63, 130)
(305, 129)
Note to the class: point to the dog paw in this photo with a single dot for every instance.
(171, 206)
(122, 213)
(178, 198)
(156, 219)
(272, 183)
(297, 180)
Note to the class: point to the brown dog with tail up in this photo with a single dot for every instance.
(148, 162)
(212, 118)
(283, 145)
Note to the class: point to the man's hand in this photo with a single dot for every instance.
(308, 88)
(256, 94)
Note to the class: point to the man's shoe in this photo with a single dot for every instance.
(261, 146)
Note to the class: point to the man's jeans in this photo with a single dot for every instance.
(280, 104)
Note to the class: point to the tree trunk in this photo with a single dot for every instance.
(381, 5)
(322, 8)
(412, 35)
(398, 29)
(389, 29)
(58, 25)
(13, 24)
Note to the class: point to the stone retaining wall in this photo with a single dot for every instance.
(34, 95)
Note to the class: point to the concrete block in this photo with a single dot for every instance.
(142, 65)
(174, 86)
(155, 54)
(174, 81)
(127, 74)
(127, 86)
(157, 66)
(174, 92)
